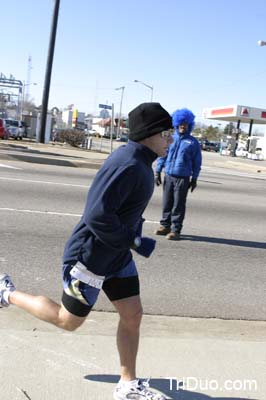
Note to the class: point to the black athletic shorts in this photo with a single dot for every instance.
(82, 287)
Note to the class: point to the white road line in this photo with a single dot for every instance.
(39, 212)
(244, 174)
(8, 166)
(55, 213)
(42, 182)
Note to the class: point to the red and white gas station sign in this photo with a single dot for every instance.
(235, 113)
(245, 111)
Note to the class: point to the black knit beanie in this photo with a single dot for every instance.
(147, 120)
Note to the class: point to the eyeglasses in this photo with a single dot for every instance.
(167, 134)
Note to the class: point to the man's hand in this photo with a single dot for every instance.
(192, 184)
(146, 248)
(158, 179)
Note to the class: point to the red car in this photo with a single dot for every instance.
(3, 130)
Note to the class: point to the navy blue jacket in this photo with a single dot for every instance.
(183, 157)
(115, 203)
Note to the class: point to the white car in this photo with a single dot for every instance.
(15, 128)
(241, 152)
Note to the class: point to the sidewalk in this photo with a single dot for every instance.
(53, 154)
(64, 155)
(215, 359)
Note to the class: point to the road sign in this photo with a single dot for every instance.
(105, 106)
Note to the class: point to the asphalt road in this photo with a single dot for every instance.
(217, 270)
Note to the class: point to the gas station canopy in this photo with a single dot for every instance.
(236, 113)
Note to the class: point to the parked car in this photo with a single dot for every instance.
(202, 143)
(24, 128)
(16, 129)
(241, 152)
(211, 146)
(3, 130)
(122, 138)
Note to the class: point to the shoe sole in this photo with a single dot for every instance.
(173, 238)
(159, 233)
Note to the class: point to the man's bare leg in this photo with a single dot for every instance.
(46, 309)
(130, 312)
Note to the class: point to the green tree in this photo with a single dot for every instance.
(197, 131)
(212, 133)
(228, 130)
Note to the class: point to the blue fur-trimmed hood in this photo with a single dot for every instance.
(184, 115)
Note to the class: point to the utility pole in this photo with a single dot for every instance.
(27, 91)
(122, 88)
(48, 73)
(112, 128)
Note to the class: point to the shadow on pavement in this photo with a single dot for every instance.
(212, 182)
(23, 149)
(230, 242)
(163, 386)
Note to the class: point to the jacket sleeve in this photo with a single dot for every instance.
(102, 212)
(160, 163)
(197, 160)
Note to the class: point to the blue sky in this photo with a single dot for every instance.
(196, 53)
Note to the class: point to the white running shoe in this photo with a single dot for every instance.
(138, 391)
(6, 287)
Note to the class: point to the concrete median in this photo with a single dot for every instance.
(64, 155)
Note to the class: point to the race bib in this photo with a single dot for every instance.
(80, 272)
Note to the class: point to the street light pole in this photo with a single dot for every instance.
(122, 88)
(148, 86)
(48, 73)
(260, 43)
